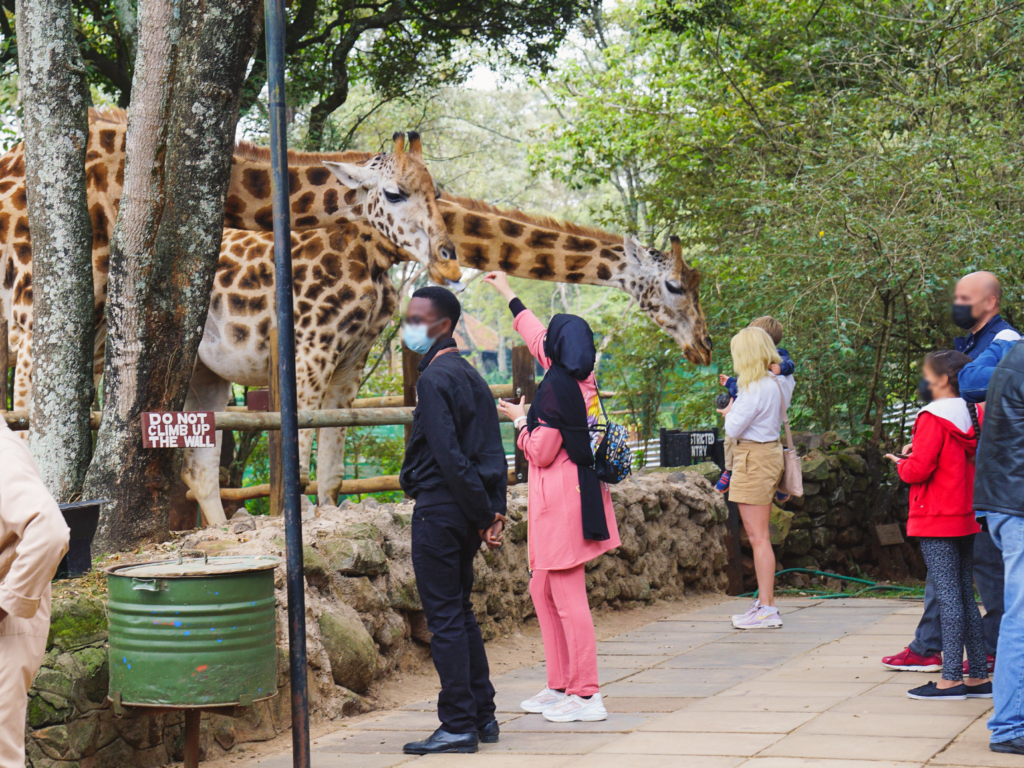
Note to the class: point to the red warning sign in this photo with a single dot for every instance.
(188, 429)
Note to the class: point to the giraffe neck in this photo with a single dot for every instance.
(485, 239)
(316, 197)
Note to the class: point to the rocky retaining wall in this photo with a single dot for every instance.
(363, 618)
(848, 492)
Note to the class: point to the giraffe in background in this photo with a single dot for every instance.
(392, 192)
(344, 298)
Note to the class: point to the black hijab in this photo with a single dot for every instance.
(559, 404)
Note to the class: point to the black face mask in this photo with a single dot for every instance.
(924, 391)
(963, 316)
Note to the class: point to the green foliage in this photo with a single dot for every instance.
(836, 165)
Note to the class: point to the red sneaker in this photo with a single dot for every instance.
(908, 661)
(991, 666)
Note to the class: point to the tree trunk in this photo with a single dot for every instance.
(166, 245)
(56, 102)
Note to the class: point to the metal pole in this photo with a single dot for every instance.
(275, 26)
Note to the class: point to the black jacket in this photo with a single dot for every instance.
(455, 453)
(999, 476)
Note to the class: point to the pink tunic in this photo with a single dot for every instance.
(556, 524)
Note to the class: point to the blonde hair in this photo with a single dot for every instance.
(771, 326)
(752, 352)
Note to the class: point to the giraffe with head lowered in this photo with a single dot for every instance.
(664, 286)
(393, 192)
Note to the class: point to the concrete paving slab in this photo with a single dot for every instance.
(660, 704)
(719, 743)
(417, 721)
(766, 703)
(687, 676)
(931, 724)
(897, 706)
(333, 760)
(616, 723)
(594, 760)
(757, 688)
(971, 749)
(689, 720)
(486, 758)
(665, 648)
(682, 690)
(828, 674)
(857, 747)
(814, 762)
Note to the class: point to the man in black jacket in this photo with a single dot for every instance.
(455, 468)
(998, 496)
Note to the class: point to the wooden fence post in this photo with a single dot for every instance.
(4, 364)
(524, 384)
(274, 437)
(410, 375)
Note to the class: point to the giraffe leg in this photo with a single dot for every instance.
(201, 469)
(22, 394)
(330, 457)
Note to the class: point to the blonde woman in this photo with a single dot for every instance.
(753, 420)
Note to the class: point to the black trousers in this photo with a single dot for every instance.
(444, 543)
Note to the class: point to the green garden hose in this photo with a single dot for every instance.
(871, 585)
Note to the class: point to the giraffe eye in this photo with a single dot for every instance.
(393, 197)
(674, 286)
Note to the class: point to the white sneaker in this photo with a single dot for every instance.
(546, 698)
(754, 608)
(765, 617)
(575, 709)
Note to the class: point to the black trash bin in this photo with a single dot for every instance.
(82, 518)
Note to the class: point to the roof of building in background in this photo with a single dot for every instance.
(471, 335)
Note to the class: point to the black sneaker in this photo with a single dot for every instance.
(932, 692)
(980, 691)
(1011, 747)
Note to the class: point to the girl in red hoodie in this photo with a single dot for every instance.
(940, 470)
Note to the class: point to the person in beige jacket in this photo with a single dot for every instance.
(33, 539)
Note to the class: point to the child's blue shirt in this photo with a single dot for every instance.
(787, 366)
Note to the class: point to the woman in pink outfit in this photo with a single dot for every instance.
(571, 517)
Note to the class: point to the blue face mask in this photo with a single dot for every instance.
(416, 337)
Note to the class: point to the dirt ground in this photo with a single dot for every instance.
(505, 654)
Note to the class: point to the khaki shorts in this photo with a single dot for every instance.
(756, 472)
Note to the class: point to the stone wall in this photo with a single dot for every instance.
(848, 491)
(364, 620)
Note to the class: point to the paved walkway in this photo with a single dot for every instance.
(691, 691)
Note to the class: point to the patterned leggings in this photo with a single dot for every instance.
(951, 564)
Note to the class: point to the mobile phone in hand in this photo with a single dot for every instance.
(902, 455)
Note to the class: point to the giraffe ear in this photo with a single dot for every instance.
(353, 175)
(633, 248)
(415, 144)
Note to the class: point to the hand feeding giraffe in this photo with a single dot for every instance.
(393, 192)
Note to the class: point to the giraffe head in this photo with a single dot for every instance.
(668, 290)
(400, 200)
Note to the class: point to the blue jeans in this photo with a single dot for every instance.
(1007, 721)
(988, 578)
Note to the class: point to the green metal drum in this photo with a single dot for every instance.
(192, 633)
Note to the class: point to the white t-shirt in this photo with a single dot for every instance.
(757, 414)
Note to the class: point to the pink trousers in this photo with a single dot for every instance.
(570, 647)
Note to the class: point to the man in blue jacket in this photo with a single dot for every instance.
(975, 308)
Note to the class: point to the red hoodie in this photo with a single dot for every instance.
(941, 471)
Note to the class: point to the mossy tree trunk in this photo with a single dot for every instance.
(56, 101)
(166, 245)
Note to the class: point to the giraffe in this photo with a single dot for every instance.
(393, 192)
(344, 299)
(664, 286)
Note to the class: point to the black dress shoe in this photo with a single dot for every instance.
(441, 741)
(1013, 746)
(489, 732)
